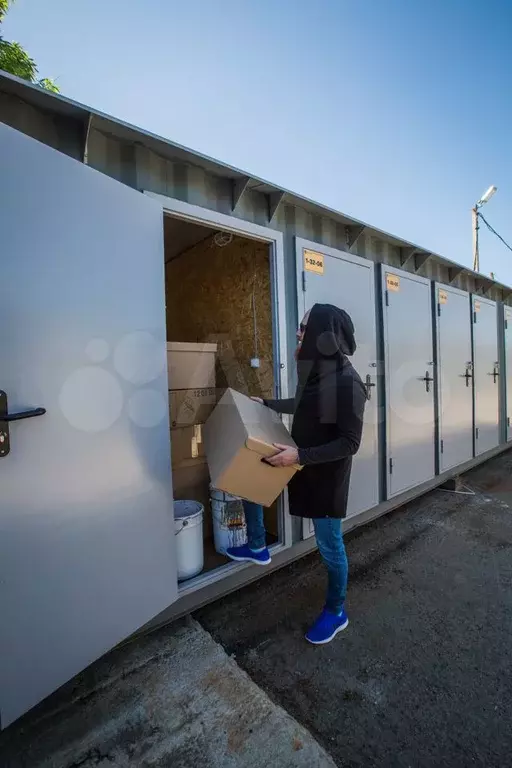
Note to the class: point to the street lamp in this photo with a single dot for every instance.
(476, 226)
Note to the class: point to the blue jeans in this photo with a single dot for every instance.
(329, 538)
(256, 534)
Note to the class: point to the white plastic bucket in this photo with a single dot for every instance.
(229, 526)
(188, 530)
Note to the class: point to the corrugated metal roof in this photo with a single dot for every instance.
(57, 104)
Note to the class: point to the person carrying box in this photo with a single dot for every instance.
(328, 410)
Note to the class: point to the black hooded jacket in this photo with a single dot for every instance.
(328, 411)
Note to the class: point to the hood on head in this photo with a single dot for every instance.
(329, 333)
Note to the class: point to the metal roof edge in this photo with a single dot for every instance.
(37, 96)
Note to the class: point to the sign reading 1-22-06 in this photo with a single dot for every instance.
(313, 262)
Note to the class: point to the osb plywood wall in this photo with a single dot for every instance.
(210, 292)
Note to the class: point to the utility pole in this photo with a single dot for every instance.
(476, 252)
(476, 225)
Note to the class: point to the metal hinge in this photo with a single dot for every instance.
(474, 317)
(439, 309)
(442, 446)
(387, 298)
(304, 281)
(476, 433)
(391, 466)
(508, 421)
(506, 324)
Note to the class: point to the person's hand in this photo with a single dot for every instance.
(286, 457)
(258, 400)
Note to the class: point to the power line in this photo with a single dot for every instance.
(494, 231)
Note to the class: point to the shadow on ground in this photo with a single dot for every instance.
(423, 674)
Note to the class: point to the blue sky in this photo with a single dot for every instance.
(398, 113)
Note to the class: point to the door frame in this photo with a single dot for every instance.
(302, 243)
(195, 214)
(385, 268)
(438, 404)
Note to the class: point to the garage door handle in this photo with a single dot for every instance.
(369, 384)
(466, 376)
(24, 414)
(5, 420)
(494, 374)
(427, 381)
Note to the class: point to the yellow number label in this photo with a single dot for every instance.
(314, 262)
(392, 282)
(443, 297)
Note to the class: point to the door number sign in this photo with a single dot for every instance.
(313, 262)
(392, 282)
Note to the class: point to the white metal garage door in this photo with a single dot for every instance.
(86, 523)
(486, 363)
(329, 276)
(409, 380)
(455, 376)
(508, 368)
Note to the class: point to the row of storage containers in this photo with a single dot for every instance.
(434, 359)
(87, 551)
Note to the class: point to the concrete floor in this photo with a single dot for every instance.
(172, 700)
(423, 674)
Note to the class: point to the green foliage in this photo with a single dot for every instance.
(4, 5)
(49, 85)
(15, 59)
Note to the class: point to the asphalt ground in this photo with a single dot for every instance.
(423, 674)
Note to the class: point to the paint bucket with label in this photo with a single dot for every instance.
(229, 526)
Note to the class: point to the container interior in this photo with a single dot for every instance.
(218, 290)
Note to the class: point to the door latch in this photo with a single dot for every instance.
(6, 418)
(369, 384)
(469, 373)
(495, 372)
(427, 381)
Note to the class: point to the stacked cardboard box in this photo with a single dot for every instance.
(192, 398)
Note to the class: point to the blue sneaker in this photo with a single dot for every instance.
(246, 555)
(326, 627)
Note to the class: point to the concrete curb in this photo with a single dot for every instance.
(172, 699)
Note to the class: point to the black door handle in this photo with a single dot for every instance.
(467, 375)
(6, 418)
(427, 381)
(494, 374)
(25, 414)
(369, 384)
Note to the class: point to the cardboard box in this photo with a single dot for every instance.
(188, 407)
(191, 366)
(187, 445)
(238, 434)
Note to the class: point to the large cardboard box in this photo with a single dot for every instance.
(191, 366)
(187, 446)
(188, 407)
(237, 436)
